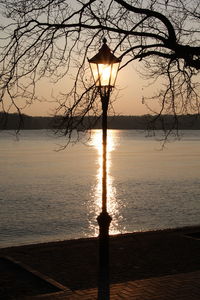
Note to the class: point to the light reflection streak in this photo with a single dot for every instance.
(96, 194)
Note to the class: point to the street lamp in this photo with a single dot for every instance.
(104, 67)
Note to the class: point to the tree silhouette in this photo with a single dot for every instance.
(53, 38)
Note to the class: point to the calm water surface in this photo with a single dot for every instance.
(48, 195)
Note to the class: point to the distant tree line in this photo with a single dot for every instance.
(166, 122)
(18, 122)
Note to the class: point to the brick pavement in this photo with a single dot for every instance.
(177, 251)
(184, 286)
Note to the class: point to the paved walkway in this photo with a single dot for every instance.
(184, 286)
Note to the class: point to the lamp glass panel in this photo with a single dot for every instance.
(104, 74)
(114, 71)
(95, 73)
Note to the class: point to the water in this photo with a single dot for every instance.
(48, 195)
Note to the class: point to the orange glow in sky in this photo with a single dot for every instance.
(129, 86)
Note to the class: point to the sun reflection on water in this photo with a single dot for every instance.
(96, 192)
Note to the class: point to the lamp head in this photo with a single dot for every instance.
(104, 66)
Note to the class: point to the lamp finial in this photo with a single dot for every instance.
(104, 40)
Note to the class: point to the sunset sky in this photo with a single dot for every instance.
(132, 89)
(131, 98)
(130, 86)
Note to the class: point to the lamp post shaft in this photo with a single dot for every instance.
(104, 100)
(104, 218)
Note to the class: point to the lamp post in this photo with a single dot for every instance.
(104, 67)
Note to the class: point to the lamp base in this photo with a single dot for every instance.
(104, 220)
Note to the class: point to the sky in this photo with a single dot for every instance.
(130, 87)
(133, 90)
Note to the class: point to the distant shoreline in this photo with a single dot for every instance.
(144, 122)
(189, 228)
